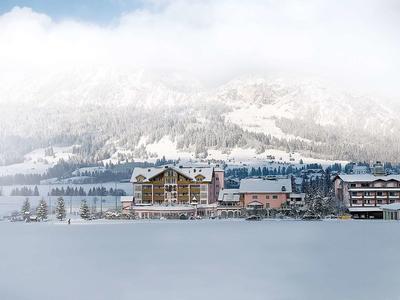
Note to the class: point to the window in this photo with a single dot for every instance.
(352, 185)
(170, 180)
(392, 194)
(254, 197)
(354, 201)
(267, 197)
(274, 197)
(354, 193)
(379, 201)
(379, 193)
(170, 173)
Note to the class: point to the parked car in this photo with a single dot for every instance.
(253, 218)
(183, 217)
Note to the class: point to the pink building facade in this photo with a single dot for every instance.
(266, 199)
(258, 193)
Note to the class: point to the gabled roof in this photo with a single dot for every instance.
(261, 185)
(229, 195)
(189, 172)
(367, 177)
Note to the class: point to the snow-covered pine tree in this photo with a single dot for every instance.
(26, 209)
(36, 191)
(60, 209)
(331, 206)
(84, 211)
(318, 206)
(310, 191)
(42, 210)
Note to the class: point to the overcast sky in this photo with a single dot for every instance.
(351, 42)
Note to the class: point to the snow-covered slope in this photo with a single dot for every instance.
(38, 161)
(258, 101)
(120, 114)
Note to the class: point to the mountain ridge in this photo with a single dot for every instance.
(116, 109)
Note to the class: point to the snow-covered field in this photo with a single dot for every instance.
(200, 260)
(36, 162)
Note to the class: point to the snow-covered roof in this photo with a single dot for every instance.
(393, 206)
(297, 195)
(360, 169)
(229, 195)
(262, 185)
(98, 169)
(126, 198)
(189, 172)
(367, 177)
(365, 209)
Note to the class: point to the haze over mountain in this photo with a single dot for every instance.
(317, 78)
(107, 110)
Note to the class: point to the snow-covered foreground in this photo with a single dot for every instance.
(200, 260)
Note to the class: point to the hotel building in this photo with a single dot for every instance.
(175, 190)
(364, 194)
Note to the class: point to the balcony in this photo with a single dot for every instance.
(183, 199)
(185, 182)
(373, 189)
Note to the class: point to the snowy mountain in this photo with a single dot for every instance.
(124, 114)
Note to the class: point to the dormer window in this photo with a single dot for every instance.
(199, 178)
(140, 178)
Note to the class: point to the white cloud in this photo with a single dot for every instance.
(353, 42)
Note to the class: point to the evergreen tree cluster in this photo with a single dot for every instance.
(320, 197)
(25, 191)
(69, 191)
(95, 191)
(244, 172)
